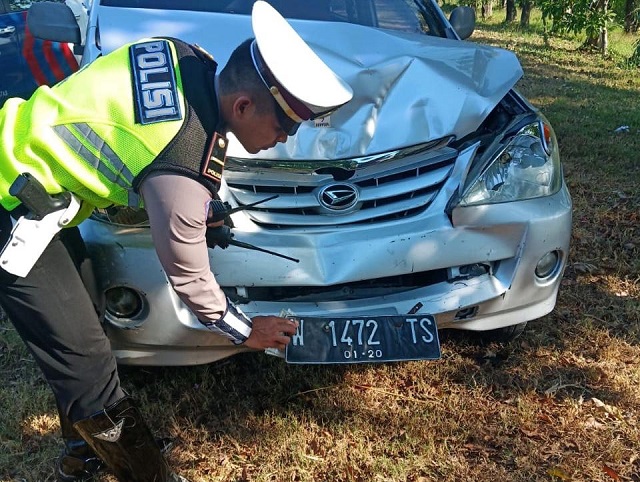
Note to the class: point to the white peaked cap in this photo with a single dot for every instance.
(300, 82)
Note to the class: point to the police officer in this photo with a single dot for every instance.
(144, 126)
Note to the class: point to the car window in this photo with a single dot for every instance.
(391, 14)
(20, 5)
(25, 61)
(416, 16)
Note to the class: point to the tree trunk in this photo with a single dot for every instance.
(487, 9)
(631, 16)
(635, 57)
(604, 41)
(511, 11)
(599, 39)
(525, 14)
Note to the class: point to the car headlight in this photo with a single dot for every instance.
(528, 167)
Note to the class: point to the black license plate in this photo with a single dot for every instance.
(364, 339)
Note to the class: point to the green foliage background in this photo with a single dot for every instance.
(576, 17)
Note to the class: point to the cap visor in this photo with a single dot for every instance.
(288, 125)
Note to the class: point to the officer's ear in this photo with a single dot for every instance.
(243, 106)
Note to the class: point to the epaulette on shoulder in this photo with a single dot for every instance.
(203, 55)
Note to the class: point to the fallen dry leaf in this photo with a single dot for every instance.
(609, 409)
(610, 472)
(558, 473)
(584, 267)
(545, 418)
(531, 433)
(593, 423)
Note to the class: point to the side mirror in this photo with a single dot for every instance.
(53, 21)
(463, 21)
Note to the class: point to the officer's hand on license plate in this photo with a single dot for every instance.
(270, 332)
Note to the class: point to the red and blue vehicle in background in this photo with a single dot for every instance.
(27, 62)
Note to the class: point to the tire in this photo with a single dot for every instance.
(502, 335)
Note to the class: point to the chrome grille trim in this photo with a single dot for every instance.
(389, 186)
(297, 166)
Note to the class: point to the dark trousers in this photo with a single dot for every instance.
(56, 318)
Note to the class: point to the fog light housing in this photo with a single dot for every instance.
(123, 303)
(466, 313)
(548, 264)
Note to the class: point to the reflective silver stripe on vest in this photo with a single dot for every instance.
(117, 172)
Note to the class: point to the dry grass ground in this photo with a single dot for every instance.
(560, 403)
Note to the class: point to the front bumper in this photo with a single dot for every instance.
(508, 240)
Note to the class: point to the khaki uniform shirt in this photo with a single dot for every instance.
(177, 209)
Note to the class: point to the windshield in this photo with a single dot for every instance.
(414, 16)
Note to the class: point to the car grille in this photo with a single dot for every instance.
(369, 189)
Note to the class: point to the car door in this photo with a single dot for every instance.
(25, 61)
(12, 65)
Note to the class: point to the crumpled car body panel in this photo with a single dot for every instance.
(429, 116)
(493, 235)
(384, 68)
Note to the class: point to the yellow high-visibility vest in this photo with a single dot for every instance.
(95, 131)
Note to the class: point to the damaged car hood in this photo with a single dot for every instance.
(408, 88)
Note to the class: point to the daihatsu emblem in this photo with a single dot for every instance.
(338, 197)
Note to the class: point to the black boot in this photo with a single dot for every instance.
(121, 438)
(78, 462)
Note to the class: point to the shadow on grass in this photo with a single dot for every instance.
(229, 399)
(222, 396)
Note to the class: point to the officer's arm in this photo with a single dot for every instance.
(177, 209)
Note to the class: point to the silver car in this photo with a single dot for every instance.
(435, 199)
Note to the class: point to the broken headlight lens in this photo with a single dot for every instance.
(528, 167)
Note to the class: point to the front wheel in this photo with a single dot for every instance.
(502, 335)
